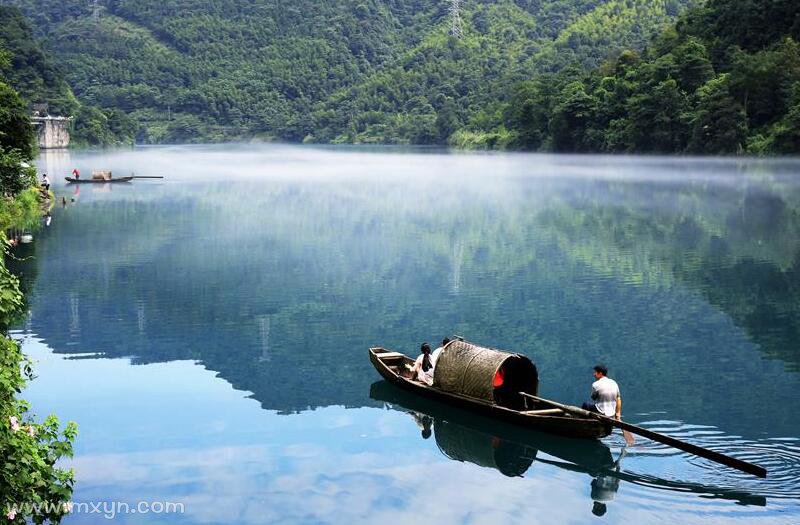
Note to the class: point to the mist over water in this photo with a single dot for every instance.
(209, 332)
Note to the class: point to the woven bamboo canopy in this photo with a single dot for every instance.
(485, 373)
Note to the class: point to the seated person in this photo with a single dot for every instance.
(435, 354)
(606, 398)
(423, 367)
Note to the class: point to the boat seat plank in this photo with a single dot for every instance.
(390, 355)
(545, 412)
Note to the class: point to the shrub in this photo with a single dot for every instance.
(32, 487)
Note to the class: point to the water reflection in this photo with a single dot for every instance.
(245, 275)
(605, 487)
(513, 451)
(276, 267)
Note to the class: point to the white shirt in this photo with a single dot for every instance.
(425, 377)
(605, 392)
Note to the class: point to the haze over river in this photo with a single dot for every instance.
(209, 332)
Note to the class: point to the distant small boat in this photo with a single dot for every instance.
(72, 180)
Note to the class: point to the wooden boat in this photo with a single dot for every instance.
(466, 377)
(463, 435)
(73, 180)
(511, 449)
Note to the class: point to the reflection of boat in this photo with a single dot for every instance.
(488, 382)
(463, 444)
(465, 436)
(98, 181)
(510, 449)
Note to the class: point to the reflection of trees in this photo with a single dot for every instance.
(458, 263)
(738, 246)
(282, 288)
(18, 261)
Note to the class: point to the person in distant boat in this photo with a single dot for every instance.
(45, 182)
(76, 173)
(423, 368)
(435, 354)
(605, 398)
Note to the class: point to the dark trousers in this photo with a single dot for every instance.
(590, 407)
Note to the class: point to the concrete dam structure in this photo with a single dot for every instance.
(52, 132)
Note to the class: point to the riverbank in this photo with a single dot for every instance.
(32, 486)
(26, 209)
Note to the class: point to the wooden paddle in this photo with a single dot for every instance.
(738, 464)
(148, 177)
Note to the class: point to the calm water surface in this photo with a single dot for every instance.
(209, 332)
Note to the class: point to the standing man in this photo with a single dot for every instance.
(76, 173)
(606, 399)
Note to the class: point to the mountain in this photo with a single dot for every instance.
(443, 83)
(39, 79)
(30, 70)
(725, 79)
(368, 71)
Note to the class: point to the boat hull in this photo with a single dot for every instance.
(73, 180)
(562, 425)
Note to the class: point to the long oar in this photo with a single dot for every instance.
(148, 177)
(738, 464)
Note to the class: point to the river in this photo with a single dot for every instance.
(209, 331)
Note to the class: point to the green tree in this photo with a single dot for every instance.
(528, 112)
(15, 173)
(572, 119)
(447, 120)
(29, 450)
(16, 131)
(786, 133)
(694, 65)
(720, 122)
(655, 119)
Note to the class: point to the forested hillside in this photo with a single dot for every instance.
(444, 84)
(369, 71)
(35, 74)
(563, 75)
(725, 79)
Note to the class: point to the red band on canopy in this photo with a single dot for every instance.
(498, 378)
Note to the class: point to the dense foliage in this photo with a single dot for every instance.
(525, 73)
(369, 71)
(34, 74)
(32, 488)
(16, 143)
(16, 132)
(724, 79)
(444, 84)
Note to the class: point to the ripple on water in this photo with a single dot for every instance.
(780, 456)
